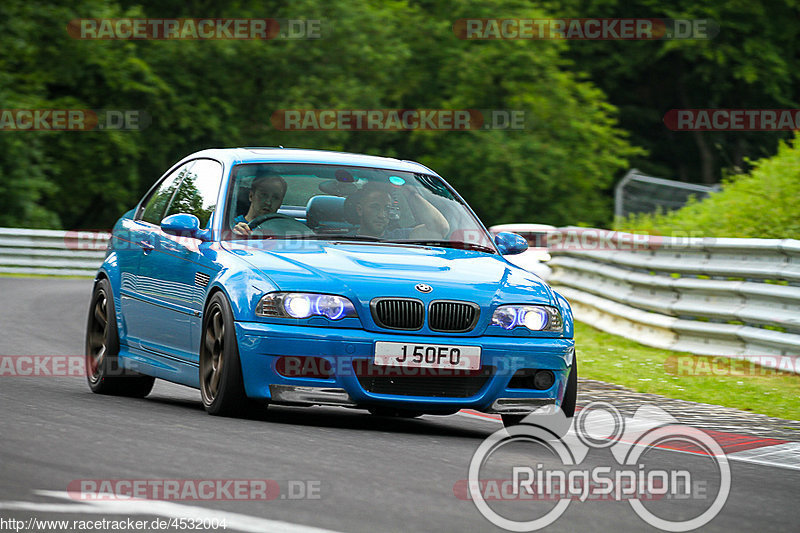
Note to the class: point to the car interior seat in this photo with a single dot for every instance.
(325, 214)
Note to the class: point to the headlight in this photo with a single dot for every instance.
(533, 317)
(304, 305)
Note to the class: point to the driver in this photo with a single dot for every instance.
(266, 196)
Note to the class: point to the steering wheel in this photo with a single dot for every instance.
(291, 225)
(263, 218)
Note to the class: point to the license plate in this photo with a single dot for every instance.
(427, 355)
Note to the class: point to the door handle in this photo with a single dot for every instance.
(147, 247)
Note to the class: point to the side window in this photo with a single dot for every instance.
(197, 193)
(154, 207)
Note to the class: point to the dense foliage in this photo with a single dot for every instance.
(750, 64)
(764, 204)
(399, 55)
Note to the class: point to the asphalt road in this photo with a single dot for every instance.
(366, 474)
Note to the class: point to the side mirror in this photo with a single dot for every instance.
(510, 243)
(183, 225)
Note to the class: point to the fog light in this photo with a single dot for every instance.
(544, 379)
(298, 366)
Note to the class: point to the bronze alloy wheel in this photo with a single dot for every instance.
(213, 356)
(97, 336)
(103, 371)
(221, 383)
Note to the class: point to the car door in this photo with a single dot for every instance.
(176, 273)
(138, 239)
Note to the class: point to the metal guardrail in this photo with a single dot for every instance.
(51, 252)
(727, 297)
(638, 193)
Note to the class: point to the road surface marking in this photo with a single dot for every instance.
(738, 447)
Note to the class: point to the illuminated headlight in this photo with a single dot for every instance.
(533, 317)
(304, 305)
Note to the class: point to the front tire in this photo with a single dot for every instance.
(103, 372)
(571, 394)
(221, 382)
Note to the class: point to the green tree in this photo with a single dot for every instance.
(762, 204)
(750, 63)
(202, 94)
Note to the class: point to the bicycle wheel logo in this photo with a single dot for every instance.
(563, 478)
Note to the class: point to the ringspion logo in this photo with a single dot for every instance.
(497, 474)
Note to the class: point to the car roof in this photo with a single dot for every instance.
(234, 156)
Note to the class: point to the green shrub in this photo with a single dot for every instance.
(762, 204)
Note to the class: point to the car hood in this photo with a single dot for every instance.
(363, 271)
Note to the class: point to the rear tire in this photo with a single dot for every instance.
(103, 371)
(567, 404)
(221, 382)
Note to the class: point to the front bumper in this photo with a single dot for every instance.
(261, 346)
(304, 395)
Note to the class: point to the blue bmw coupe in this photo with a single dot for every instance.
(301, 277)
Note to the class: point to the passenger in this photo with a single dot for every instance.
(266, 196)
(369, 208)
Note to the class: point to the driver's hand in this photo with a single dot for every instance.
(242, 228)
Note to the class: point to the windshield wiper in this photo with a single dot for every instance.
(251, 237)
(451, 244)
(338, 237)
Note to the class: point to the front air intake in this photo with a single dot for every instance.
(398, 313)
(452, 317)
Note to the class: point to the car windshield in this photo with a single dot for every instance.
(333, 202)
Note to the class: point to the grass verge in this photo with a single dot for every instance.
(54, 276)
(707, 379)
